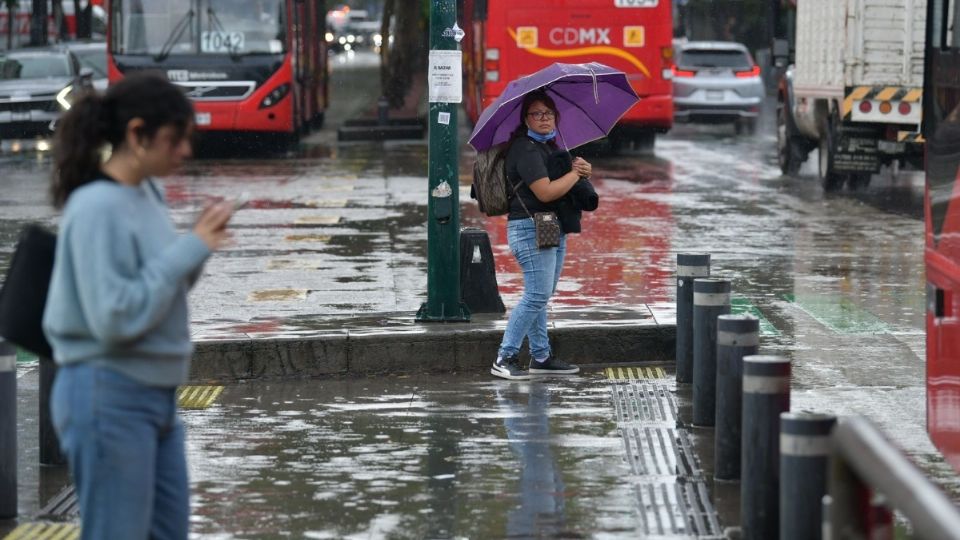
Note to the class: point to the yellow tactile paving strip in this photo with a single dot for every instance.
(197, 397)
(45, 531)
(634, 373)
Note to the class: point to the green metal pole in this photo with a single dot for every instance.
(443, 210)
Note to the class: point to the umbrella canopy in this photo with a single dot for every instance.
(590, 98)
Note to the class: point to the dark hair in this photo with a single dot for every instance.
(96, 120)
(528, 100)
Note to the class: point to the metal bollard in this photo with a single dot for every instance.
(689, 267)
(711, 298)
(50, 453)
(766, 394)
(804, 460)
(8, 430)
(737, 336)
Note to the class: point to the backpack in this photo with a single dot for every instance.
(490, 181)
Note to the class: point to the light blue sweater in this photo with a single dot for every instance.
(118, 295)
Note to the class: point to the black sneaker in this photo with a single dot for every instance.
(552, 366)
(509, 368)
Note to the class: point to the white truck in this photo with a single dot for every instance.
(854, 90)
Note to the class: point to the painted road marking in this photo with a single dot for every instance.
(298, 264)
(742, 306)
(326, 203)
(634, 373)
(317, 220)
(839, 314)
(319, 238)
(197, 397)
(45, 531)
(277, 295)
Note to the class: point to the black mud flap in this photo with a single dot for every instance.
(857, 151)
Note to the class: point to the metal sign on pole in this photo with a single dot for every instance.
(445, 72)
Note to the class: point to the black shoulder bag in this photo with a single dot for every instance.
(24, 292)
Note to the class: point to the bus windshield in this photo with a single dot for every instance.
(164, 27)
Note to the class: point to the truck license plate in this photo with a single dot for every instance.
(715, 95)
(202, 119)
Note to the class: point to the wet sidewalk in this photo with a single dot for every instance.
(602, 455)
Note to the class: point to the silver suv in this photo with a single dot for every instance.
(717, 82)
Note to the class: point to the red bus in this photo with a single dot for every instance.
(250, 66)
(506, 39)
(941, 129)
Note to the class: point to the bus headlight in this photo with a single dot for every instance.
(63, 97)
(275, 96)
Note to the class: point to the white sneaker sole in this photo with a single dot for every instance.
(504, 374)
(572, 371)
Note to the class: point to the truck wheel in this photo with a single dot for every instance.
(832, 181)
(858, 181)
(789, 153)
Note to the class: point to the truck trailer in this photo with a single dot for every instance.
(854, 90)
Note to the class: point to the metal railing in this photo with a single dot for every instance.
(863, 459)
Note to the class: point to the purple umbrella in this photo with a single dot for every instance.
(590, 98)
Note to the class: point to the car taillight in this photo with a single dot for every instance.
(683, 73)
(753, 72)
(886, 107)
(904, 108)
(866, 107)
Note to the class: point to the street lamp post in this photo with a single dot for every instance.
(443, 209)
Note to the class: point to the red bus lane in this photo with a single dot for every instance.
(622, 258)
(507, 39)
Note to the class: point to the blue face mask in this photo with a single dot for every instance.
(541, 138)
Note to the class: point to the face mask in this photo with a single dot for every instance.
(541, 138)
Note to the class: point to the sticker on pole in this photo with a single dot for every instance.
(446, 77)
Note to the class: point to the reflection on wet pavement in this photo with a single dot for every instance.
(411, 458)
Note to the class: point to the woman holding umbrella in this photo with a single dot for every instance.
(532, 190)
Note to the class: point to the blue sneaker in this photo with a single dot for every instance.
(552, 366)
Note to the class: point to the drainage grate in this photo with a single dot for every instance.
(63, 505)
(198, 397)
(645, 401)
(672, 497)
(51, 531)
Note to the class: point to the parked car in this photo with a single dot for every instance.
(717, 82)
(92, 55)
(36, 86)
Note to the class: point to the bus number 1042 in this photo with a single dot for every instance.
(221, 42)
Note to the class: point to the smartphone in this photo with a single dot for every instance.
(242, 201)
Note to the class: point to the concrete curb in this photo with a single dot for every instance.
(443, 348)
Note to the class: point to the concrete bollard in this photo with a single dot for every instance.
(50, 453)
(766, 394)
(711, 298)
(8, 430)
(804, 460)
(737, 336)
(689, 267)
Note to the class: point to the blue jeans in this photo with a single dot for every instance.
(541, 272)
(125, 446)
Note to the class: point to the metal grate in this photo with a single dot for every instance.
(672, 498)
(63, 505)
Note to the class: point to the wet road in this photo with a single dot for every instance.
(336, 230)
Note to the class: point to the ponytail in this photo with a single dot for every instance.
(77, 143)
(95, 121)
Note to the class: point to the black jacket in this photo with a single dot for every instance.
(581, 197)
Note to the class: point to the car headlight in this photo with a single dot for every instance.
(63, 97)
(275, 96)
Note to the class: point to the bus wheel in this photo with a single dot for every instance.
(829, 177)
